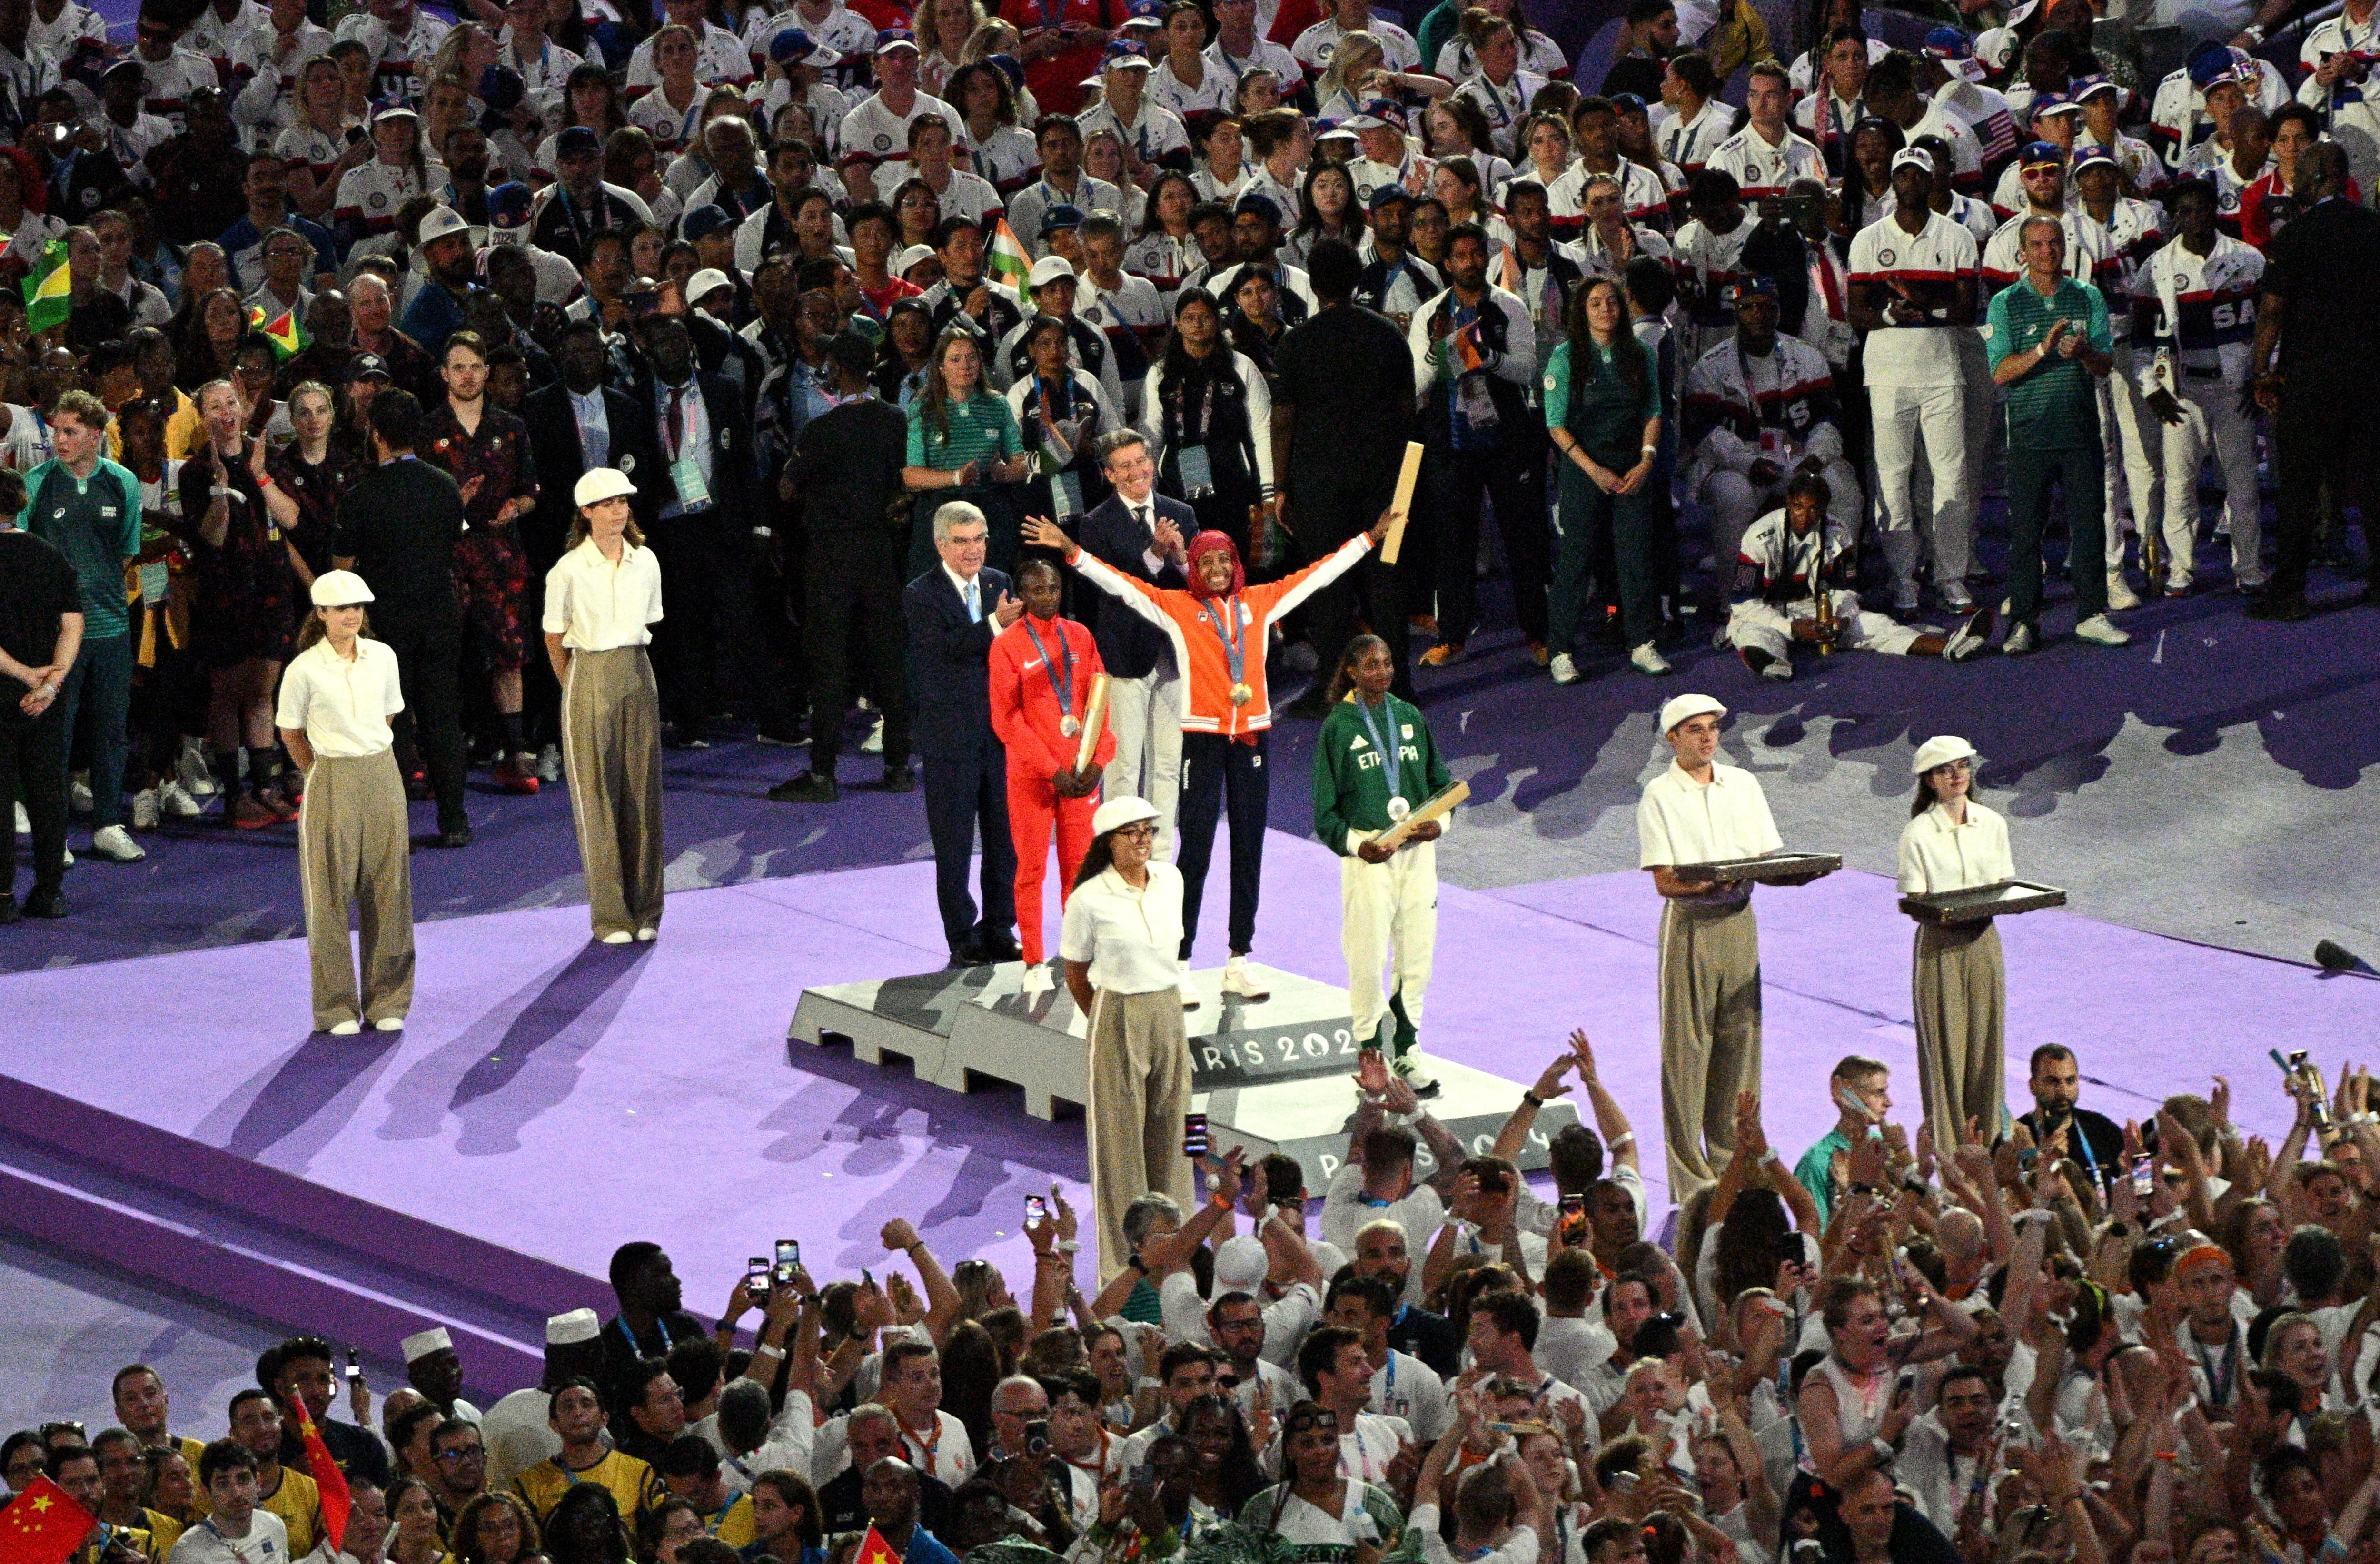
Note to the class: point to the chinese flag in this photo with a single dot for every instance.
(328, 1478)
(873, 1550)
(43, 1525)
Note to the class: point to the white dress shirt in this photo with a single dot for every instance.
(342, 705)
(1936, 855)
(1129, 935)
(596, 605)
(594, 421)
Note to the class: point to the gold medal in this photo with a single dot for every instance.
(1242, 694)
(1068, 726)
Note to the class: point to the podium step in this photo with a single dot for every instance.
(1271, 1076)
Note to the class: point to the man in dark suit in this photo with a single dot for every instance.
(1141, 533)
(708, 526)
(845, 470)
(954, 611)
(1346, 383)
(576, 425)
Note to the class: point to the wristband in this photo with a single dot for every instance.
(1648, 450)
(1617, 1141)
(1220, 1201)
(765, 1350)
(1532, 1098)
(1068, 1246)
(1770, 1159)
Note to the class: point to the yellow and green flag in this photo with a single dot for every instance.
(49, 297)
(289, 336)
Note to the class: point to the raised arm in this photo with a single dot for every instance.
(941, 1299)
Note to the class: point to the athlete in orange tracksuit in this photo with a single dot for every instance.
(1041, 672)
(1221, 628)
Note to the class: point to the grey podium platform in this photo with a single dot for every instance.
(1271, 1077)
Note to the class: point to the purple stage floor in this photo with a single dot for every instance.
(556, 1097)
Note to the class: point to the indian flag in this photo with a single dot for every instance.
(48, 289)
(1009, 262)
(289, 336)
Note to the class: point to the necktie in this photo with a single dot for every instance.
(1146, 524)
(974, 605)
(675, 419)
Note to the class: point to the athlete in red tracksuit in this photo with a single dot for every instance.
(1041, 672)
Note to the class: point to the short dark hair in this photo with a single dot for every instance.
(62, 1455)
(689, 1455)
(221, 1456)
(1512, 1312)
(1643, 11)
(1569, 1279)
(1318, 1354)
(1333, 270)
(2055, 1052)
(575, 1382)
(407, 1423)
(396, 419)
(870, 211)
(1377, 1294)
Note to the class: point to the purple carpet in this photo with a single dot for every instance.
(554, 1097)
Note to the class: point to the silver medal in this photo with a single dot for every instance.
(1069, 726)
(1399, 808)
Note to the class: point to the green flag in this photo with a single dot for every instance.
(48, 289)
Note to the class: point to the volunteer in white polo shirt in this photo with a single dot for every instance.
(601, 599)
(1698, 811)
(336, 697)
(1952, 842)
(1122, 934)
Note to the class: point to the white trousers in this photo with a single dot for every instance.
(1736, 502)
(2129, 432)
(1145, 716)
(1986, 429)
(1931, 419)
(2211, 419)
(1756, 624)
(1388, 918)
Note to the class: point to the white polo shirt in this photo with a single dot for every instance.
(1936, 855)
(1926, 353)
(1129, 935)
(595, 605)
(341, 704)
(1679, 820)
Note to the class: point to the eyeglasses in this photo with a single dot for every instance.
(473, 1452)
(1141, 832)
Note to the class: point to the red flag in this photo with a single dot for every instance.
(43, 1525)
(332, 1482)
(873, 1549)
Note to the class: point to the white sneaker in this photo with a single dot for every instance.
(1036, 981)
(346, 1028)
(1237, 982)
(1648, 658)
(144, 809)
(2101, 632)
(190, 770)
(549, 763)
(79, 792)
(874, 742)
(69, 856)
(175, 799)
(389, 1024)
(1780, 669)
(2019, 640)
(116, 844)
(648, 934)
(2121, 594)
(1970, 638)
(618, 936)
(1564, 668)
(1409, 1068)
(24, 823)
(1182, 978)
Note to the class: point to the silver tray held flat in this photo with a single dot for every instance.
(1770, 869)
(1977, 903)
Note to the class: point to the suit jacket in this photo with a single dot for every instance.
(1129, 644)
(949, 673)
(735, 493)
(553, 445)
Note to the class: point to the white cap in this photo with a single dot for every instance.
(1240, 1265)
(702, 281)
(568, 1330)
(1119, 812)
(1683, 707)
(1048, 269)
(910, 256)
(337, 588)
(599, 484)
(438, 222)
(1940, 751)
(421, 1343)
(1913, 157)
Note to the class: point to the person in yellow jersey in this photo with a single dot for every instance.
(124, 1477)
(256, 1423)
(575, 1414)
(691, 1471)
(143, 1406)
(75, 1468)
(1960, 987)
(236, 1530)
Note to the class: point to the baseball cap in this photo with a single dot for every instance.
(1388, 195)
(337, 588)
(1124, 54)
(576, 141)
(893, 38)
(367, 364)
(438, 223)
(2086, 86)
(1940, 751)
(705, 282)
(508, 205)
(502, 89)
(1751, 287)
(122, 67)
(1117, 813)
(704, 220)
(1061, 216)
(910, 256)
(1335, 131)
(1684, 708)
(2096, 157)
(595, 486)
(1947, 43)
(399, 111)
(2053, 102)
(1629, 102)
(1048, 269)
(794, 46)
(2210, 64)
(2040, 155)
(1913, 157)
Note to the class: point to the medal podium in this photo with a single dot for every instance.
(1273, 1076)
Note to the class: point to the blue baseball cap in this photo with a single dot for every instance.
(508, 204)
(2210, 64)
(576, 141)
(1629, 102)
(1124, 54)
(501, 88)
(1754, 286)
(704, 220)
(1060, 217)
(1947, 43)
(893, 38)
(2037, 154)
(794, 46)
(1388, 195)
